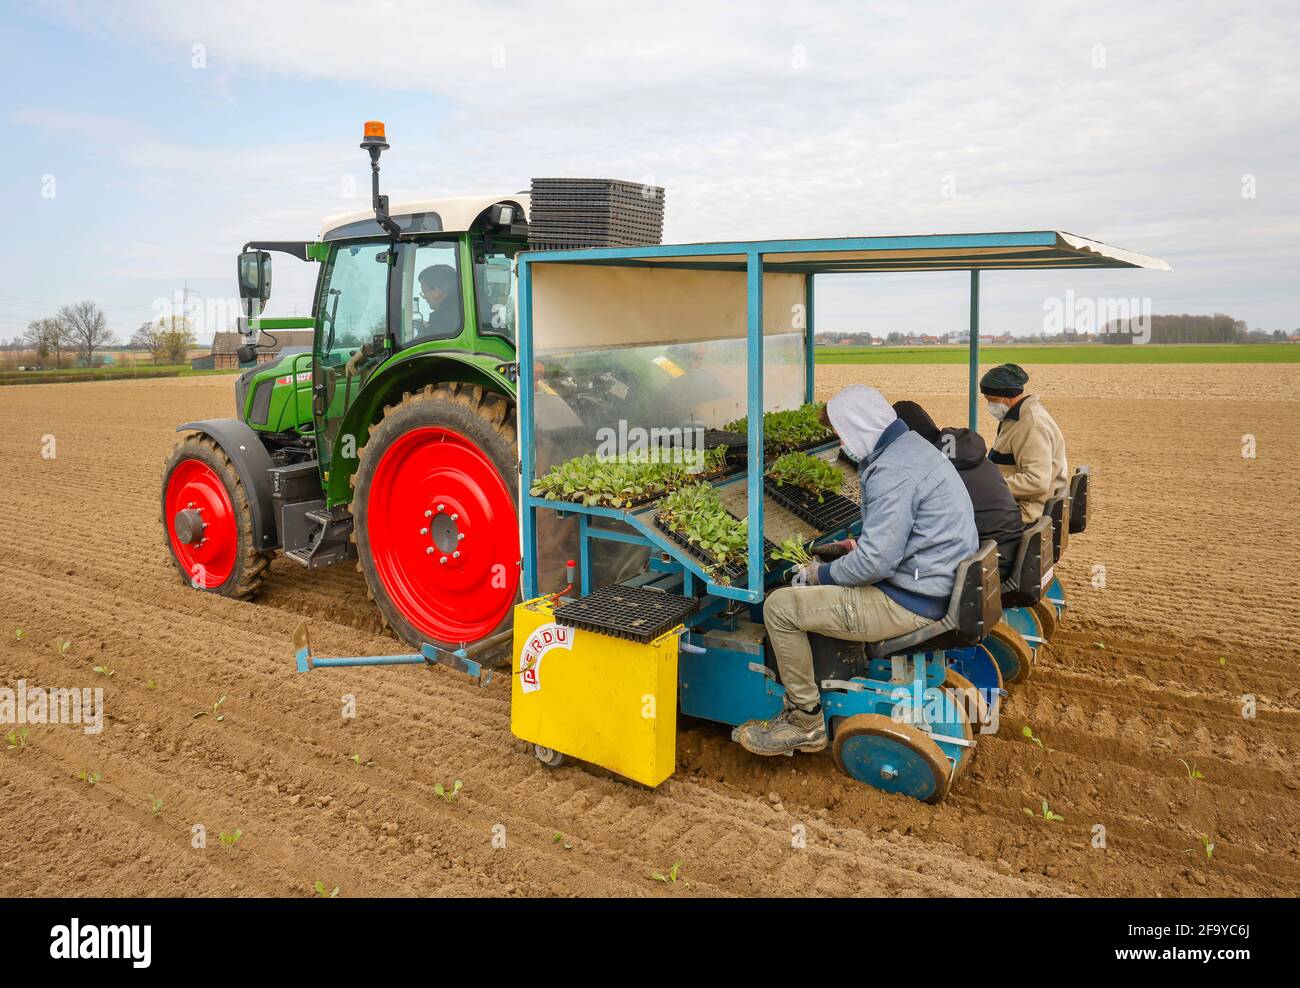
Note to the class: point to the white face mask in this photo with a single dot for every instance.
(997, 410)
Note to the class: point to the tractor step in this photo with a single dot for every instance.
(314, 535)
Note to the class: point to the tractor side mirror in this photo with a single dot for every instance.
(254, 281)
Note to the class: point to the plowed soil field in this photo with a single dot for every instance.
(1181, 650)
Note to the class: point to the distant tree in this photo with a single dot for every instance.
(45, 337)
(85, 330)
(175, 337)
(149, 337)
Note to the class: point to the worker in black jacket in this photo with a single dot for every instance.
(997, 516)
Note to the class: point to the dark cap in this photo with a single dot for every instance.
(918, 420)
(1004, 381)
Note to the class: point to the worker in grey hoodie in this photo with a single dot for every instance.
(896, 577)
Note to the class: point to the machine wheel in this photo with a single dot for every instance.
(895, 757)
(436, 523)
(548, 756)
(1046, 615)
(209, 522)
(976, 713)
(1010, 651)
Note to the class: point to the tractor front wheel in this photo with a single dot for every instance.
(435, 519)
(209, 522)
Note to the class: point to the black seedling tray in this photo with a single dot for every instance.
(736, 443)
(730, 574)
(639, 614)
(835, 511)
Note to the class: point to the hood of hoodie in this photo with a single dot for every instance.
(859, 414)
(965, 448)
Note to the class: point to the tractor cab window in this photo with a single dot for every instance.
(494, 287)
(436, 306)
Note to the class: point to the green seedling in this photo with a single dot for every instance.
(18, 634)
(443, 792)
(673, 877)
(104, 671)
(63, 647)
(696, 513)
(558, 838)
(783, 431)
(356, 760)
(155, 805)
(614, 483)
(811, 473)
(151, 685)
(1028, 732)
(90, 778)
(1192, 772)
(325, 893)
(17, 739)
(1100, 645)
(1223, 660)
(1048, 815)
(793, 550)
(214, 711)
(1207, 847)
(231, 839)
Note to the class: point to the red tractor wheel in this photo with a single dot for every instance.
(435, 516)
(208, 521)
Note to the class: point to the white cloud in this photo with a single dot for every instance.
(767, 120)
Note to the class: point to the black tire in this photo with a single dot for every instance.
(484, 418)
(250, 566)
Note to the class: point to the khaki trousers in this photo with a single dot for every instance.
(860, 614)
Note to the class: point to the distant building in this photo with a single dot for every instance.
(224, 346)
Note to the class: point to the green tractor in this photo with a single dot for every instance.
(392, 440)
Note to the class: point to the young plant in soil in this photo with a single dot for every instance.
(673, 876)
(696, 513)
(448, 793)
(17, 739)
(323, 892)
(231, 839)
(783, 431)
(811, 473)
(1048, 815)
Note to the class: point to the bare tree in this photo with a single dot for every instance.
(85, 330)
(45, 337)
(149, 337)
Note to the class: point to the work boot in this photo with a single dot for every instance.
(789, 731)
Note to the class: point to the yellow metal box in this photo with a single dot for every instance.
(602, 699)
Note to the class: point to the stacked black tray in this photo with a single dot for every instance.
(594, 212)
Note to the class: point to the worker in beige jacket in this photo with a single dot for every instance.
(1029, 448)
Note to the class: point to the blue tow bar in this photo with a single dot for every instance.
(458, 659)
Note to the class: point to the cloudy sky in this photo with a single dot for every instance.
(149, 140)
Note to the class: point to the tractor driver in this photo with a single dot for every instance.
(438, 288)
(897, 577)
(1029, 448)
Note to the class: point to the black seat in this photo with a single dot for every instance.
(1079, 500)
(1057, 509)
(1024, 585)
(974, 608)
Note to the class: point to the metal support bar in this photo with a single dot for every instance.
(460, 659)
(754, 410)
(974, 349)
(809, 353)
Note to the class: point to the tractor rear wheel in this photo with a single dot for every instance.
(435, 516)
(209, 522)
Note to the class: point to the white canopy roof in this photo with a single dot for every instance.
(454, 215)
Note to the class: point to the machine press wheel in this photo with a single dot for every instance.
(977, 713)
(548, 756)
(1010, 651)
(892, 756)
(1045, 612)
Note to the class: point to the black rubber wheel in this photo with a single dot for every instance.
(436, 517)
(208, 522)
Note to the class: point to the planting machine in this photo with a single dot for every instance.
(620, 608)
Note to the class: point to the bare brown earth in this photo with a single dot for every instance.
(1198, 609)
